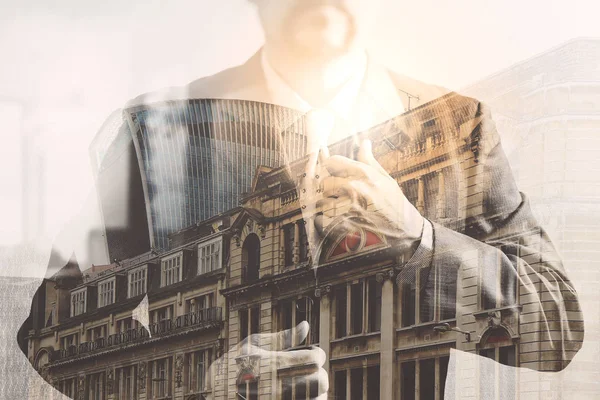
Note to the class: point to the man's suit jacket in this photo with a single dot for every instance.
(502, 233)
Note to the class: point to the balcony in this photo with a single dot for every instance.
(198, 320)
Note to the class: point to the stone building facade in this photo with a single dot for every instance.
(150, 326)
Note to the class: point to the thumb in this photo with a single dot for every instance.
(365, 156)
(294, 336)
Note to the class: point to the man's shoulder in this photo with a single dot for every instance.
(225, 84)
(435, 97)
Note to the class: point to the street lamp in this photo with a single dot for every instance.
(445, 327)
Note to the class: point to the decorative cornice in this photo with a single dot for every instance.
(380, 277)
(323, 291)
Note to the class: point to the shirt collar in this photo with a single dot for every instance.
(368, 98)
(341, 104)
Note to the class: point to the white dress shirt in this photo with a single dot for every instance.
(368, 98)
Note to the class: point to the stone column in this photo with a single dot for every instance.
(441, 200)
(420, 195)
(324, 294)
(388, 333)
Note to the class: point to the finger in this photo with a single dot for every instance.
(345, 167)
(311, 359)
(278, 340)
(305, 361)
(334, 186)
(365, 155)
(323, 154)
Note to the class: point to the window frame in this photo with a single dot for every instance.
(74, 294)
(166, 277)
(202, 259)
(112, 291)
(143, 281)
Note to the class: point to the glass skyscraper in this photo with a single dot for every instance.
(165, 166)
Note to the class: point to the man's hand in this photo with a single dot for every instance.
(304, 365)
(369, 187)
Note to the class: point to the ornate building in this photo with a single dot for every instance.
(148, 327)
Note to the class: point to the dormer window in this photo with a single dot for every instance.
(171, 269)
(209, 255)
(106, 292)
(136, 281)
(78, 302)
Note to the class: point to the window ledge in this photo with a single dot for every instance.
(425, 325)
(503, 310)
(359, 335)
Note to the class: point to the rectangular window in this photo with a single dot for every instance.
(432, 297)
(341, 299)
(447, 301)
(294, 311)
(161, 377)
(444, 361)
(96, 333)
(137, 281)
(162, 314)
(198, 363)
(209, 256)
(126, 379)
(302, 241)
(286, 388)
(407, 380)
(427, 378)
(498, 281)
(171, 270)
(69, 341)
(126, 324)
(95, 387)
(356, 384)
(374, 305)
(67, 387)
(356, 308)
(339, 380)
(409, 303)
(200, 303)
(78, 302)
(289, 238)
(249, 321)
(106, 292)
(426, 298)
(373, 383)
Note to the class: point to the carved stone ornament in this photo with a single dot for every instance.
(322, 291)
(81, 387)
(248, 368)
(44, 372)
(142, 377)
(380, 277)
(179, 370)
(109, 381)
(250, 226)
(237, 239)
(262, 230)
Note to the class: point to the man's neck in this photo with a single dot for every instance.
(316, 79)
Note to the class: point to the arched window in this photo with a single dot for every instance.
(497, 345)
(250, 258)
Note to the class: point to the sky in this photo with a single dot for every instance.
(67, 64)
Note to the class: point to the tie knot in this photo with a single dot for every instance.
(319, 125)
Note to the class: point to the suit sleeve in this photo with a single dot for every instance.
(510, 257)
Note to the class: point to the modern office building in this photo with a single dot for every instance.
(167, 165)
(149, 326)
